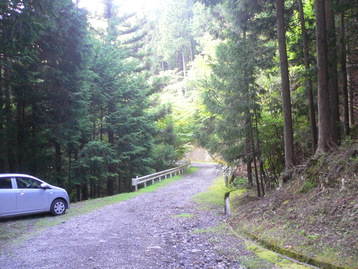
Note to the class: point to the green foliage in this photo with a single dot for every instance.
(74, 102)
(92, 165)
(271, 130)
(140, 90)
(164, 156)
(239, 183)
(175, 46)
(231, 96)
(294, 35)
(172, 107)
(43, 79)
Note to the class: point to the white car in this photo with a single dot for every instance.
(23, 195)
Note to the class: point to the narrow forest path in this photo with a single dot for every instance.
(160, 229)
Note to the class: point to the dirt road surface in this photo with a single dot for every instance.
(160, 229)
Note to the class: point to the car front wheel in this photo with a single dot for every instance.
(58, 207)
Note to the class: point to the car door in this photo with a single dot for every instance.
(7, 196)
(30, 196)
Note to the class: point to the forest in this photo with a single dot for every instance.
(91, 99)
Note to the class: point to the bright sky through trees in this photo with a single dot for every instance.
(131, 5)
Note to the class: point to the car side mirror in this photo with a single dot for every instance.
(45, 186)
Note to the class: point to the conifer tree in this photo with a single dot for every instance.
(325, 139)
(285, 84)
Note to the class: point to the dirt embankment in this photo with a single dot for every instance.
(313, 215)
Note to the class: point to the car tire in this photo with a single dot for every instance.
(58, 207)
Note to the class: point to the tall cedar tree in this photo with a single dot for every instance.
(325, 139)
(332, 71)
(308, 80)
(343, 73)
(285, 84)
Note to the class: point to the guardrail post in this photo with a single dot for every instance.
(135, 183)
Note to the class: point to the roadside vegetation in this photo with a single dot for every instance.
(312, 217)
(213, 199)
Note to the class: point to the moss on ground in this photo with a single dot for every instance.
(278, 260)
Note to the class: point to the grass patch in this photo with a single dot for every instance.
(214, 196)
(184, 215)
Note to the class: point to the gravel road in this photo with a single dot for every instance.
(144, 232)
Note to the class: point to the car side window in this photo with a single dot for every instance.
(5, 183)
(27, 183)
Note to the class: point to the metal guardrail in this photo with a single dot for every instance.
(159, 175)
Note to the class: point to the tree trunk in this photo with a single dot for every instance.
(69, 179)
(343, 71)
(2, 136)
(110, 123)
(252, 142)
(325, 140)
(21, 146)
(33, 147)
(94, 129)
(91, 189)
(84, 191)
(257, 136)
(78, 193)
(249, 173)
(257, 177)
(110, 181)
(262, 178)
(58, 163)
(101, 125)
(285, 84)
(332, 71)
(312, 114)
(111, 167)
(352, 57)
(184, 72)
(8, 131)
(248, 148)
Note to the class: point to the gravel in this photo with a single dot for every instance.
(160, 229)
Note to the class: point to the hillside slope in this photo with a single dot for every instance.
(313, 216)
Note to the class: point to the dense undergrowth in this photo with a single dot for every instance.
(313, 216)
